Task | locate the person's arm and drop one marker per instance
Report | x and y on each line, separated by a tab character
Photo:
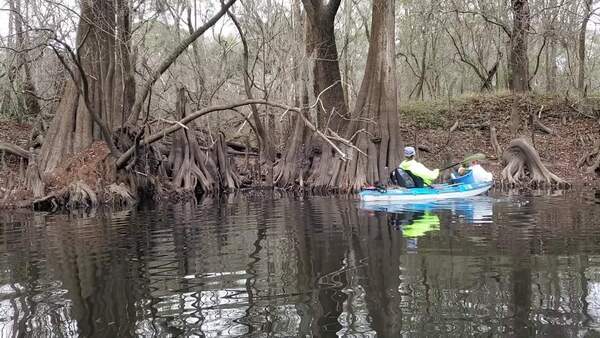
422	171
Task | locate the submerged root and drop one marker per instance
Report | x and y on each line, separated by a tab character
119	195
76	195
33	177
80	195
524	167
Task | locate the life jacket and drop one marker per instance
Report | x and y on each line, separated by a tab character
405	179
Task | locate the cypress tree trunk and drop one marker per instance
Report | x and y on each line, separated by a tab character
321	43
103	37
377	103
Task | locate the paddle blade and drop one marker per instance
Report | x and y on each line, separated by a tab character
474	157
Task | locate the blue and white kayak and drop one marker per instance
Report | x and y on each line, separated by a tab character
433	193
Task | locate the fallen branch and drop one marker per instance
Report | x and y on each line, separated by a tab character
15	150
540	126
189	118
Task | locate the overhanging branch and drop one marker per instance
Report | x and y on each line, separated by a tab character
189	118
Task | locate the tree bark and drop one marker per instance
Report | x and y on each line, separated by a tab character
519	61
73	128
377	103
320	42
105	73
332	113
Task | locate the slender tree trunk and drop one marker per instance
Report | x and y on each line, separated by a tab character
581	47
519	61
25	102
267	147
423	71
551	65
291	167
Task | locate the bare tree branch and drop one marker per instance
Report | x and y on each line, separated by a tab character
165	64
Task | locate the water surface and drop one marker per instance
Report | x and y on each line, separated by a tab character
518	265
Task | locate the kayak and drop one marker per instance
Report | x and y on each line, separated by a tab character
433	193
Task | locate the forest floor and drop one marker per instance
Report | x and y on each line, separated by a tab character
575	126
448	130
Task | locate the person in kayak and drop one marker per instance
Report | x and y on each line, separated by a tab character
420	174
480	175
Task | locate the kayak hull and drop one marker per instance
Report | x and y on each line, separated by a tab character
435	193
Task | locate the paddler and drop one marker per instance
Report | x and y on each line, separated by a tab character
417	169
480	175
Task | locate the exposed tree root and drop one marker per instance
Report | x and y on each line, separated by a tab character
33	177
79	195
228	177
591	159
524	167
119	195
192	168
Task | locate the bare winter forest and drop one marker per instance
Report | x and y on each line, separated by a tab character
115	101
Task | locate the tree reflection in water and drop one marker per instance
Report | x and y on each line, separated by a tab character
518	266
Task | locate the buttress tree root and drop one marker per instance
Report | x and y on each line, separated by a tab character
524	166
193	169
591	160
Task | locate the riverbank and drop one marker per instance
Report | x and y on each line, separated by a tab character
463	127
444	132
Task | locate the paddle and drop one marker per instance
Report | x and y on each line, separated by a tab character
474	157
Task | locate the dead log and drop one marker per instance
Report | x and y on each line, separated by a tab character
129	153
542	127
14	149
524	166
241	147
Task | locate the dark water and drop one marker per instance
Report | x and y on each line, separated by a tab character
320	266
